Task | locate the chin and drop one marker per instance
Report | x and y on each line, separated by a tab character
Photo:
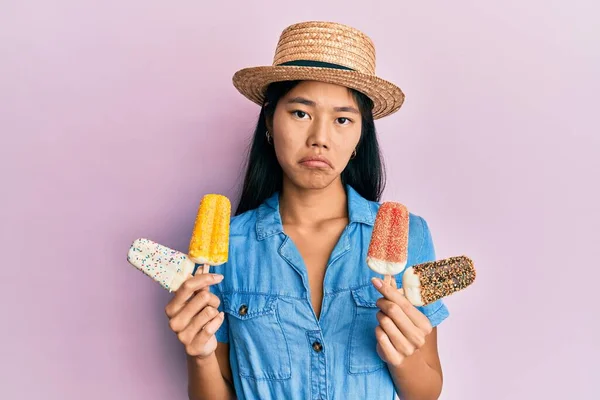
313	182
310	179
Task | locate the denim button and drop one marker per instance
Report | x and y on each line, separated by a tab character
243	309
317	347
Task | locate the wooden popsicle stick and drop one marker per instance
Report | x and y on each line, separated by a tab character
205	268
390	280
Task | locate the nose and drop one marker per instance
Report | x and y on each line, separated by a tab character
319	136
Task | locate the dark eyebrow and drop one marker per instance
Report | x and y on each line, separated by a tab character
302	100
346	109
310	103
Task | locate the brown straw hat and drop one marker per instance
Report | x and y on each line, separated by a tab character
326	52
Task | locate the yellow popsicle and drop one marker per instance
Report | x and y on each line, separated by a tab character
210	238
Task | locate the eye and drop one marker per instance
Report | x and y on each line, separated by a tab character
300	114
344	121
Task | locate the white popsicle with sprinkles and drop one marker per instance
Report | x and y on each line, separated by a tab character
170	268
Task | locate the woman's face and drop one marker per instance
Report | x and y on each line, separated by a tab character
315	129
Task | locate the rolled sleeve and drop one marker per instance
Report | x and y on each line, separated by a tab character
436	312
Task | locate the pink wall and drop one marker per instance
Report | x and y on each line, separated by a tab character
117	116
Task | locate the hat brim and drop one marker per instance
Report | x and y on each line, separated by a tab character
253	82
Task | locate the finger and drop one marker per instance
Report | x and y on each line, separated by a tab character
204	270
396	312
388	291
390	355
415	315
200	300
397	296
413	332
187	290
197	323
400	342
387	279
208	330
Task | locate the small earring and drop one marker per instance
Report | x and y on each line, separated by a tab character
353	154
268	137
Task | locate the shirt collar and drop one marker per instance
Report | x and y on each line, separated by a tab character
268	218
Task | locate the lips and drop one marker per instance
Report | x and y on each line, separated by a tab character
316	162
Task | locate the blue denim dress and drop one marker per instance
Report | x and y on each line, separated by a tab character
278	347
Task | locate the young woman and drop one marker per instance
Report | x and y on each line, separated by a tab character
301	315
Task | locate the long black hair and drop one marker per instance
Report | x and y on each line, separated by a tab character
264	176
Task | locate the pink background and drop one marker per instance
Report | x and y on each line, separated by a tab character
117	116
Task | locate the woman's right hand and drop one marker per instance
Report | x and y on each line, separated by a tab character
193	315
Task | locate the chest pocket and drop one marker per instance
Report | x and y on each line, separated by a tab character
260	344
362	351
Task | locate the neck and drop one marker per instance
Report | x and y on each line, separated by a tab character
299	206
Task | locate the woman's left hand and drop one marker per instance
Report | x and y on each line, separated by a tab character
402	327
